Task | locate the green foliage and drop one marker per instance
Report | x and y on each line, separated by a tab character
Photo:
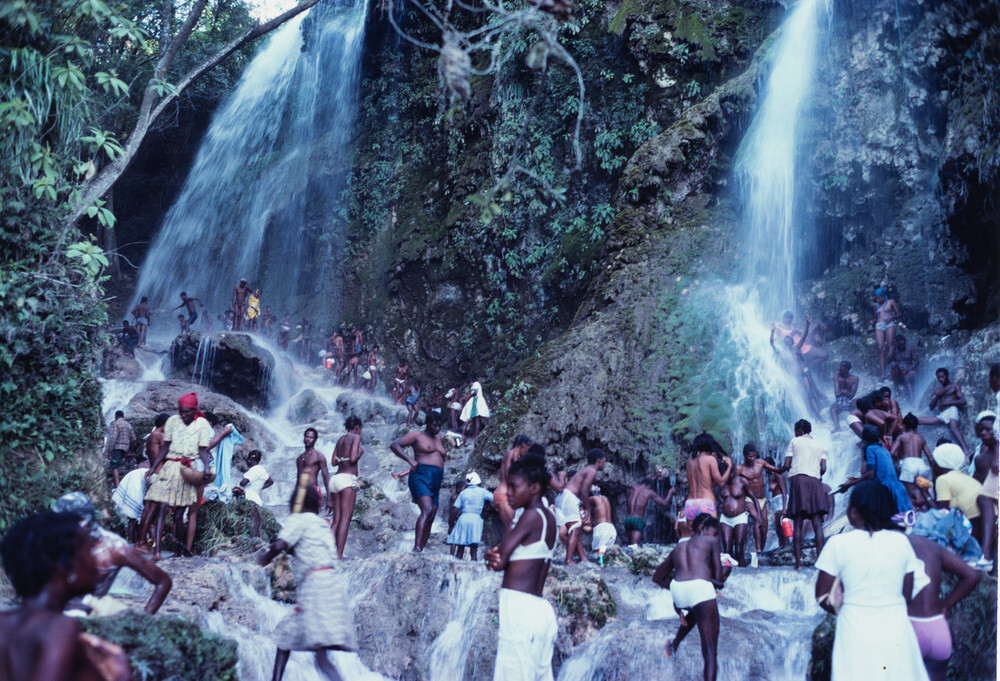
219	522
973	624
168	648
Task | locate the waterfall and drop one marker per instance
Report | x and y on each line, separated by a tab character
260	200
204	362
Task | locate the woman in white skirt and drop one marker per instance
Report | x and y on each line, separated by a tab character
468	530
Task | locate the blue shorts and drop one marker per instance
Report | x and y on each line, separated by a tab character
425	481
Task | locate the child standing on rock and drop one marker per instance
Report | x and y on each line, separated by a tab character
527	622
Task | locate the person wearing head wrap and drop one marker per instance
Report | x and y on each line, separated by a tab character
879	573
986	472
952	487
878	466
468	529
187	436
111	553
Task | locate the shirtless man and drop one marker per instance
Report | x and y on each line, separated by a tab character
522	443
704	471
267	321
240	294
310	464
902	362
736	513
372	363
886	314
638	498
909	450
571	499
779	501
946	399
344	484
795	364
305	349
140	315
399	381
881	415
189	303
845	387
604	531
752	470
927	610
426	472
692	572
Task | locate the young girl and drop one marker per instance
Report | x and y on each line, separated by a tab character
880	574
527	622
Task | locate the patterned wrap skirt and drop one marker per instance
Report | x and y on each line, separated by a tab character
322	617
168	487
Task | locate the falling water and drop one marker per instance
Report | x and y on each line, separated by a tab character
204	362
271	169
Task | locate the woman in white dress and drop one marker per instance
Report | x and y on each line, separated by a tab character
475	410
879	573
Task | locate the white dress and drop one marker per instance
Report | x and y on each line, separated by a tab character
255	476
476	406
874	638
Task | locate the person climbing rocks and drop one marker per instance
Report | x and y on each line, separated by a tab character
886	316
426	472
413	404
692	572
952	487
522	443
118	448
638	499
240	294
190	304
911	451
345	483
574	499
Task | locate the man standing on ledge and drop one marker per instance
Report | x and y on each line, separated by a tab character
806	464
240	294
426	472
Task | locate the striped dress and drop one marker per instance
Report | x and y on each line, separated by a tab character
168	486
322	616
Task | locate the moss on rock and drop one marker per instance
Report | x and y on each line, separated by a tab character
218	523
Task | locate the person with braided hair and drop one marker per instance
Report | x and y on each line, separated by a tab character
48	558
867	577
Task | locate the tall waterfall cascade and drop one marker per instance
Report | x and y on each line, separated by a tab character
260	199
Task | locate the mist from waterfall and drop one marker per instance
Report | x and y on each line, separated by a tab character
260	201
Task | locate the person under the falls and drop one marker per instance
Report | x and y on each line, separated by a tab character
253	310
267	321
692	572
187	436
306	344
887	315
813	354
638	499
398	392
528	628
738	507
310	464
706	469
413	404
572	505
805	462
240	294
605	535
322	620
49	560
752	470
845	387
345	482
879	574
795	365
902	362
425	474
928	610
946	399
192	310
141	315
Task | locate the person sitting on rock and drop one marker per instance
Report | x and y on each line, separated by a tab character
946	398
528	627
845	387
49	560
692	572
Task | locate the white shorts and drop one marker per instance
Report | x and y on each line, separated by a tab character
851	418
912	466
741	519
527	635
605	536
569	506
690	593
948	414
341	481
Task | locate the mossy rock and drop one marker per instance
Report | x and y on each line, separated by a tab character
822	649
582	594
219	523
168	648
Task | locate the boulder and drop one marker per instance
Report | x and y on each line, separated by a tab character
306	407
369	408
226	363
115	363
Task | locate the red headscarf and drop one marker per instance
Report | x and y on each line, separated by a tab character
190	401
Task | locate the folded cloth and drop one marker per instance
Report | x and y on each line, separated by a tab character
689	593
527	635
128	496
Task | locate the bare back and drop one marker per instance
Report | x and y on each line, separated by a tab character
638	499
911	444
703	473
697	558
583	479
347	453
602	509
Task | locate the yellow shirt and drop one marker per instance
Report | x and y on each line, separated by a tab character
186	440
961	490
